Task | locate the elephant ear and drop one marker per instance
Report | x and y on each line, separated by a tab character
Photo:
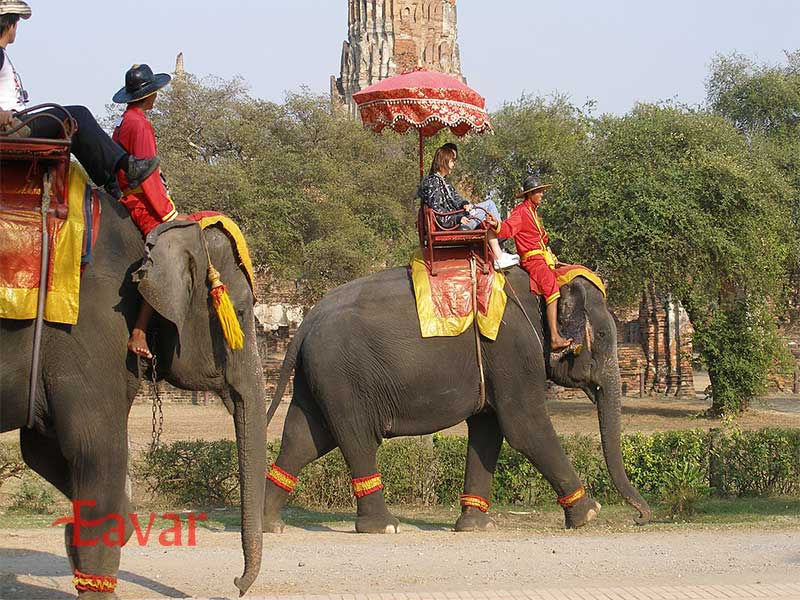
167	276
572	317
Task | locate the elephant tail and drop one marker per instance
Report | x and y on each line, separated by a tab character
289	362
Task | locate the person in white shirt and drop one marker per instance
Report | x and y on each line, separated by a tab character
98	154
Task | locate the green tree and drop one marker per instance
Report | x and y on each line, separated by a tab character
678	198
531	135
664	196
763	101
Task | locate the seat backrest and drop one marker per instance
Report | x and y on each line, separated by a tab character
25	161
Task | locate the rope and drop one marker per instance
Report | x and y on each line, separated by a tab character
474	279
517	300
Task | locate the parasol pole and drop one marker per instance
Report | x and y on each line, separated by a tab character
421	169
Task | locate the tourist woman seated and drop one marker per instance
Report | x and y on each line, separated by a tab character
436	192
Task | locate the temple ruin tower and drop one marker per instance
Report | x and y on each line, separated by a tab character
180	72
387	37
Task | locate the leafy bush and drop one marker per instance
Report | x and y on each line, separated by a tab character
757	463
650	459
677	468
409	469
194	473
11	463
684	486
325	483
452	457
587	457
35	495
516	481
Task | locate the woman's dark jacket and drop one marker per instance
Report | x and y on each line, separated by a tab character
437	193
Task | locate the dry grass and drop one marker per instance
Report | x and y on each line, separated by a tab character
578	415
572	415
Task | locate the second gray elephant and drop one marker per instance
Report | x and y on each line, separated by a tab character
364	373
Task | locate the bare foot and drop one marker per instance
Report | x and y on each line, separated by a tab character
137	343
557	342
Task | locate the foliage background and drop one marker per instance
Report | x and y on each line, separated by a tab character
701	203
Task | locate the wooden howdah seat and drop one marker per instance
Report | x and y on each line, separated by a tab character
27	160
432	235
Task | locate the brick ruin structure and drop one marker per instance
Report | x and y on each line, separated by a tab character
389	37
654	346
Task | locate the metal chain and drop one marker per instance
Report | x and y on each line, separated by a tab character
158	415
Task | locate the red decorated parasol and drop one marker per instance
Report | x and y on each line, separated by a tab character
427	101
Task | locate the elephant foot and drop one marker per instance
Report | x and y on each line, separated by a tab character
585	510
472	519
378	524
274	526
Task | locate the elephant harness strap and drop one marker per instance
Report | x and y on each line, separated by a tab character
478	353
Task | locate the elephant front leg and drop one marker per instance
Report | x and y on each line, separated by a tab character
534	436
100	523
43	455
372	515
485	441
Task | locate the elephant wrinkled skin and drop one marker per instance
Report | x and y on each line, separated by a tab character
363	373
88	379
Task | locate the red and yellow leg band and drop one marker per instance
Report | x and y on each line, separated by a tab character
281	478
364	486
482	504
572	499
84	582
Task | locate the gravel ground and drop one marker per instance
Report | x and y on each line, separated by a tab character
333	560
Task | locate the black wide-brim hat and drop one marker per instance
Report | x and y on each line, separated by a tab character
140	82
532	184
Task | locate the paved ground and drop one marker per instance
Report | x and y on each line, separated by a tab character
689	592
428	561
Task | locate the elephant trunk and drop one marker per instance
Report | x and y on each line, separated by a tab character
609	413
251	440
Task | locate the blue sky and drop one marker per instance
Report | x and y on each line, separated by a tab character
615	52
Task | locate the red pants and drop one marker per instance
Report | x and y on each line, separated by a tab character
543	278
142	214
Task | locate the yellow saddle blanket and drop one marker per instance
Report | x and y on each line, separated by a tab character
444	301
21	253
207	218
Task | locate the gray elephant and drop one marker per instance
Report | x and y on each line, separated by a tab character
88	380
363	373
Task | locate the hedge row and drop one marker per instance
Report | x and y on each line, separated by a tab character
665	466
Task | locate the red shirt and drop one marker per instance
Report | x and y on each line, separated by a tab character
150	205
525	227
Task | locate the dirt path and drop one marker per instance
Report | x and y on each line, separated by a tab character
325	560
